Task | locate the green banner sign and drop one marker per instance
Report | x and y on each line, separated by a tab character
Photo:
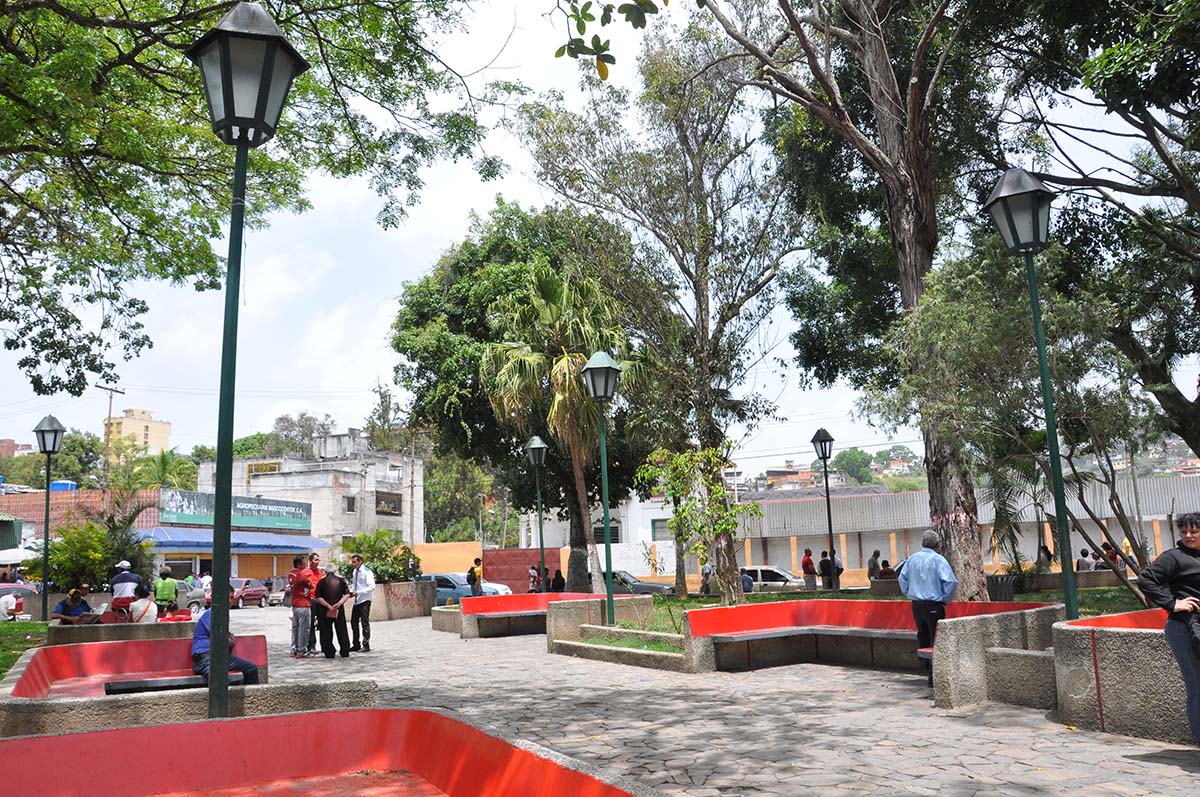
197	509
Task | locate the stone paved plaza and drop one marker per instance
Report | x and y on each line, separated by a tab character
792	730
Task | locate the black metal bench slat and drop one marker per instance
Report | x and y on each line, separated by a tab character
136	686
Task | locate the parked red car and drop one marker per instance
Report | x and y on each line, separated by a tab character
246	592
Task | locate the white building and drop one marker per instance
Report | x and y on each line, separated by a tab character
352	489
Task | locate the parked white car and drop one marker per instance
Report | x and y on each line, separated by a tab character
501	589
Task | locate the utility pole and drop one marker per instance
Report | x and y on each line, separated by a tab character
104	465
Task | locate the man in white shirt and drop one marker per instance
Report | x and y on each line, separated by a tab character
362	587
8	608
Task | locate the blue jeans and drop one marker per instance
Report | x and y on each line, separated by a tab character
248	669
1179	638
301	623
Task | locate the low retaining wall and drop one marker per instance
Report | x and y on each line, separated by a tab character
403	599
1117	674
23	717
447	619
33	603
113	632
960	671
565	619
650	659
482	626
886	587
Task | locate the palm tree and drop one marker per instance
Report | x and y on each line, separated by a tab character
166	469
550	332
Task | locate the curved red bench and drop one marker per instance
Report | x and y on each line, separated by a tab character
390	751
526	602
80	670
873	633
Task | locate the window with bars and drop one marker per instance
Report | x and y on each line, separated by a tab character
659	530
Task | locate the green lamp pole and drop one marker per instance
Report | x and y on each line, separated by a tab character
535	449
1020	207
600	375
823	443
49	434
247	68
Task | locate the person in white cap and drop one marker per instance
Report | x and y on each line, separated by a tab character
124	584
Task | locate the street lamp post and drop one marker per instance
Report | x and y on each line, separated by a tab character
535	449
1020	207
49	436
600	375
823	443
247	68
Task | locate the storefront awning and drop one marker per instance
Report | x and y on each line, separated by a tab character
174	538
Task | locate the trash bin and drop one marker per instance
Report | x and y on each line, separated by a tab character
1002	588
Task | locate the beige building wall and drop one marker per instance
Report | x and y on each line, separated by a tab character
154	436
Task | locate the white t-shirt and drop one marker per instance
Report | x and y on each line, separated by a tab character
143	611
8	607
206	581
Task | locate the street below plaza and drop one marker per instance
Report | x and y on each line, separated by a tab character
793	730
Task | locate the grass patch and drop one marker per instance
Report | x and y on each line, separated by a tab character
1092	602
16	638
635	644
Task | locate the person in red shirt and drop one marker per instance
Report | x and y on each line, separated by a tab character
315	574
809	570
301	586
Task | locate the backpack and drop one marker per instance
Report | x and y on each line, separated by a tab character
471	575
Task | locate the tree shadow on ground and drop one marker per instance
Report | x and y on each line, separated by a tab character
1187	760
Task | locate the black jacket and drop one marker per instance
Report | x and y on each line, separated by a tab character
1174	574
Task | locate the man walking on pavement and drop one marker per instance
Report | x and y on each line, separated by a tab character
363	590
315	574
927	580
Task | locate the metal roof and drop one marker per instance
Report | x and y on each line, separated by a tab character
239	541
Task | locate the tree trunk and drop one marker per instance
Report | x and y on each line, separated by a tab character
729	580
577	565
585	509
954	515
681	589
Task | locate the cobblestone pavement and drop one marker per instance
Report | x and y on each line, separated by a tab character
784	731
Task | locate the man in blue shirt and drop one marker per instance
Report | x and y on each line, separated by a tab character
202	646
74	610
927	580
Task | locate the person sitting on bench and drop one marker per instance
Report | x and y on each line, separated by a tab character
201	648
74	610
143	609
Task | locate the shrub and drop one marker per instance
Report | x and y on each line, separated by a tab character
384	554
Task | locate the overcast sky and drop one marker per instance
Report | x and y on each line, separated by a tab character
319	292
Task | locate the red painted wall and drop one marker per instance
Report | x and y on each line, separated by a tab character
511	567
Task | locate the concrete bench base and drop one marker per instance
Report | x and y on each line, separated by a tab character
480	626
773	647
1021	677
447	619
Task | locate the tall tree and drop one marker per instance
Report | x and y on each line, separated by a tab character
695	185
385	425
296	435
109	173
534	376
166	469
445	324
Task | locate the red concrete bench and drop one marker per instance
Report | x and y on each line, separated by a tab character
513	615
872	633
81	670
376	751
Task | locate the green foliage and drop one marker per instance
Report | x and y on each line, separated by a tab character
296	435
80	555
444	326
904	484
709	212
383	552
79	461
166	469
704	512
111	174
855	463
384	427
